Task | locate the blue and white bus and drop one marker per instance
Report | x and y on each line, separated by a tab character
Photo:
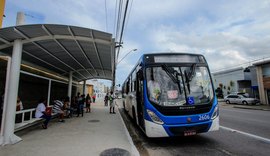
171	94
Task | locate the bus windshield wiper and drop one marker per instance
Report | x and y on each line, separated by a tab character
173	74
187	81
192	71
189	76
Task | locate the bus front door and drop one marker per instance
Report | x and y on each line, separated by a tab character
140	104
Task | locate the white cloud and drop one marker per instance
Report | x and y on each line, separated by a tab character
227	32
224	49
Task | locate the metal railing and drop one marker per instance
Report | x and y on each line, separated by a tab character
23	112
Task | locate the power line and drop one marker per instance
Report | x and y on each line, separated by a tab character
124	20
119	19
123	27
129	13
115	12
241	64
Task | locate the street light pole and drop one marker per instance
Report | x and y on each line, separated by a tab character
126	55
117	62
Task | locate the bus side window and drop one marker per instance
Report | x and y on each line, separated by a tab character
127	88
140	74
134	80
130	85
124	90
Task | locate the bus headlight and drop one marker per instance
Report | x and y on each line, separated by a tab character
154	117
216	113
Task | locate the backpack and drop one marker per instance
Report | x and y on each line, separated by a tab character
110	98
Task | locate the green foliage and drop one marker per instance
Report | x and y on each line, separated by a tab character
231	83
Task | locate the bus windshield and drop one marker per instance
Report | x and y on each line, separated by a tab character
179	86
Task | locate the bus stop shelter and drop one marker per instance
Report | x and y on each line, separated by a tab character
73	52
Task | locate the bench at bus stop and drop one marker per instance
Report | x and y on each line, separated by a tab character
28	120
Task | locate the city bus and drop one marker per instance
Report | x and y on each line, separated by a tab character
171	94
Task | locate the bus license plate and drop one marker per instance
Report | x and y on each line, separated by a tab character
189	133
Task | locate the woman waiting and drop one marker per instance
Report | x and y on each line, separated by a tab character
88	103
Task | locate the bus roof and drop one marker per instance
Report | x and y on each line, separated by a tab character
173	58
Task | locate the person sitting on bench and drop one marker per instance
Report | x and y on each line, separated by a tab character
41	112
58	107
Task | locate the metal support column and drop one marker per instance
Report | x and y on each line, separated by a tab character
5	100
12	93
49	92
84	86
70	85
260	85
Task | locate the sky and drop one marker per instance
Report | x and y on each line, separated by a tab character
226	32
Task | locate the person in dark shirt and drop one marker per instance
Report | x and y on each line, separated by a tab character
81	102
106	98
88	103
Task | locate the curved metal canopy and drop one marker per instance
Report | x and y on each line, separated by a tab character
88	53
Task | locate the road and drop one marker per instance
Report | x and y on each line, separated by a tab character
242	132
251	121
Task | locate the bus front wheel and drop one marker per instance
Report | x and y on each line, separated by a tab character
124	106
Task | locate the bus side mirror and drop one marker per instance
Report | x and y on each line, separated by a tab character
140	74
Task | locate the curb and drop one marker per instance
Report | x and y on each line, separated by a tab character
134	150
263	109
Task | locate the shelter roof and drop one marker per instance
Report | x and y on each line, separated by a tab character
60	49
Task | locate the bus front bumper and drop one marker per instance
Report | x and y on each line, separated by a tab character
156	130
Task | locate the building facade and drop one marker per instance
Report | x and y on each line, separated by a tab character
99	89
263	76
237	80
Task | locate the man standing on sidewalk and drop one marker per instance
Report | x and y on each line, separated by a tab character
81	102
112	104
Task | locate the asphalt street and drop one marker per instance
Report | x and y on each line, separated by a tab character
251	121
246	123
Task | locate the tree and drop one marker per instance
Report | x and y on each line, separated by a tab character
219	92
231	83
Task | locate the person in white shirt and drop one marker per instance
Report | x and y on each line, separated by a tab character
41	113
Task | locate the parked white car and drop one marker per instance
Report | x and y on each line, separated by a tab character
240	99
240	93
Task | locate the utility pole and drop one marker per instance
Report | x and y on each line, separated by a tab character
2	10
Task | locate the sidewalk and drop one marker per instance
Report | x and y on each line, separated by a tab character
254	107
91	135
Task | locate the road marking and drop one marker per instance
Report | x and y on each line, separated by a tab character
247	134
239	111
